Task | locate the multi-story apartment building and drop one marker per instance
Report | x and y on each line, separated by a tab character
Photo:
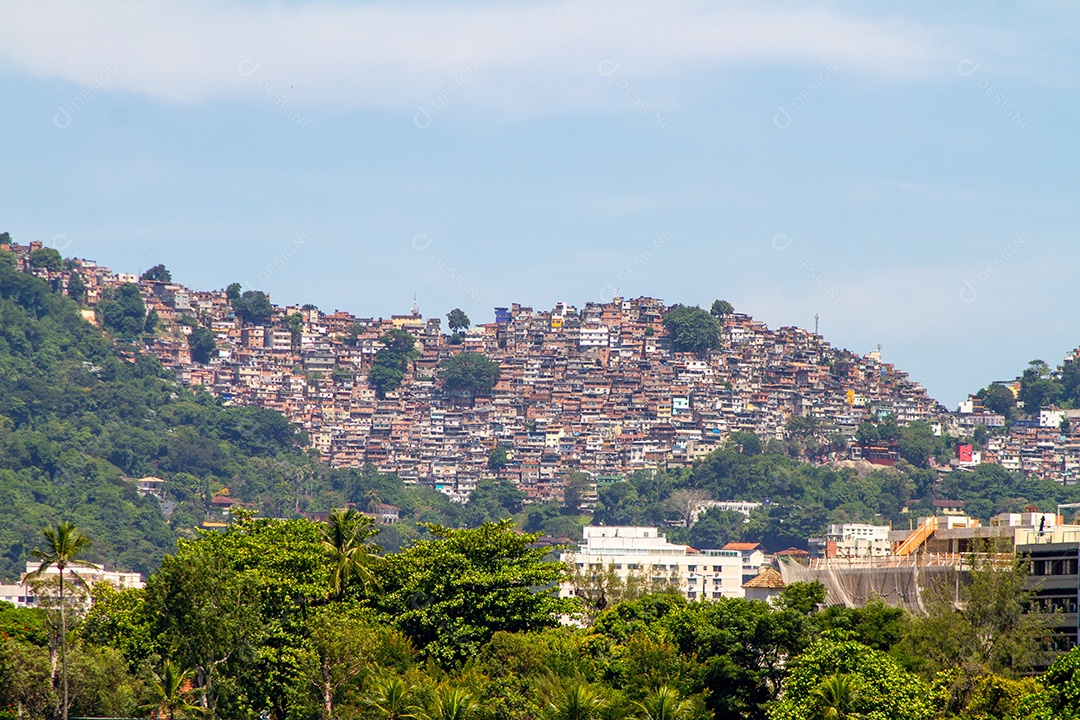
645	553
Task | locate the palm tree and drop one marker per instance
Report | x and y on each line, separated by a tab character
665	704
391	699
577	702
343	536
450	704
168	690
65	544
834	698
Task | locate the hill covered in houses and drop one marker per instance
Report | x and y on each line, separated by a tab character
142	409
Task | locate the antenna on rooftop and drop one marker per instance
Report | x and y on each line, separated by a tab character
816	319
415	307
879	348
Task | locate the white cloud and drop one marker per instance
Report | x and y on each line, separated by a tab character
529	58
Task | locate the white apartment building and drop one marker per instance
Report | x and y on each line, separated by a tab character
736	505
22	594
853	540
645	552
593	336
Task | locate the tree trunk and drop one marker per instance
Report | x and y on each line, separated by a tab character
63	644
328	692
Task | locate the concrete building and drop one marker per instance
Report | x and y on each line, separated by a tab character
753	557
23	593
852	540
644	552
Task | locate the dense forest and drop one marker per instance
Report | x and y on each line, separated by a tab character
83	413
304	620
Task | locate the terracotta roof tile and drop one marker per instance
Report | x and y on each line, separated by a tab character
768	579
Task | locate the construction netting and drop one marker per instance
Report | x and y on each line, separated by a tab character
910	582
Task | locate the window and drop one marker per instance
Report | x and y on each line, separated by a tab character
618	566
691	594
691	568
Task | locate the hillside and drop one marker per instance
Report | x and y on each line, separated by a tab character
84	413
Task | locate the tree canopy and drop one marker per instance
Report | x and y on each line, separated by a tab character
473	373
720	308
158	273
253	307
692	329
457	320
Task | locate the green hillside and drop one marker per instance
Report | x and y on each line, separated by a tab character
76	419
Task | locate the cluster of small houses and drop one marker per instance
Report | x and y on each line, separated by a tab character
596	389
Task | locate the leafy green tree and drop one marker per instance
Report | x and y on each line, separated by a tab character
498	458
803	597
253	308
450	594
981	626
47	259
574	487
841	678
492	501
469	372
745	442
344	536
167	695
918	443
1038	387
1070	382
232	293
618	504
343	647
124	313
994	696
26	679
720	308
743	649
76	288
716	528
692	330
385	378
998	399
203	345
119	619
153	321
1060	698
65	545
294	323
158	273
206	612
875	624
458	320
391	361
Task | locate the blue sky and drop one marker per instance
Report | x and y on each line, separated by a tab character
908	171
